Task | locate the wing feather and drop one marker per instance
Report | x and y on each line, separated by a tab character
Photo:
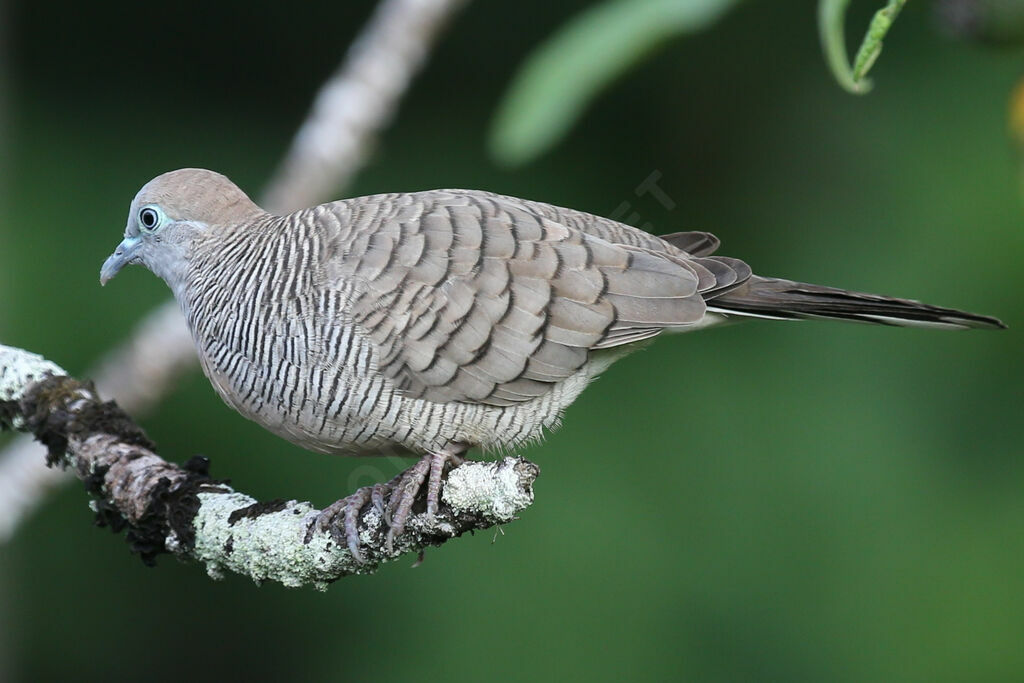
476	297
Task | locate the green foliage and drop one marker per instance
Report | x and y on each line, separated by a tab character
561	77
565	73
831	15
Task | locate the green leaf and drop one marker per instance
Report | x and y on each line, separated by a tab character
831	28
559	79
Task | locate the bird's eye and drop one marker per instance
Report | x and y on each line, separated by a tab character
149	218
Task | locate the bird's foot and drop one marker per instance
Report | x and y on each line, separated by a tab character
393	501
341	520
430	470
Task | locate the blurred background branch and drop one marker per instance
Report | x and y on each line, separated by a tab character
356	103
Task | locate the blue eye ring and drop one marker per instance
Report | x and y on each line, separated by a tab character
149	218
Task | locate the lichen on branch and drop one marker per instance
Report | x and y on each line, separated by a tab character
167	508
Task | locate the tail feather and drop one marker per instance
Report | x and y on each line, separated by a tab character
762	297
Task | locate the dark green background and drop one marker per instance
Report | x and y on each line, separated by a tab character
768	501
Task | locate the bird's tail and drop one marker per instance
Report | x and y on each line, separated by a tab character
764	297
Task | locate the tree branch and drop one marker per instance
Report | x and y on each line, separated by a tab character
181	510
351	108
356	102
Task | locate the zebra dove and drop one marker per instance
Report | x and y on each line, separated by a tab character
438	321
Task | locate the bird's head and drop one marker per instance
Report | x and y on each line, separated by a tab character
169	213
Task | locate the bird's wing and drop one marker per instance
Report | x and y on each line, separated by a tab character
477	297
694	243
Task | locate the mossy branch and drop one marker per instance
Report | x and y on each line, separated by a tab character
166	508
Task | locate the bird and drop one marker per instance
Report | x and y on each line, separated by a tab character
438	321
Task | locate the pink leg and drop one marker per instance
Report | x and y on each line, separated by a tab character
429	469
404	495
393	500
341	520
437	464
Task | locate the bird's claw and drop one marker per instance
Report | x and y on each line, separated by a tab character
429	469
392	500
341	520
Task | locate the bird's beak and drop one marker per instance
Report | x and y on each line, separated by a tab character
125	253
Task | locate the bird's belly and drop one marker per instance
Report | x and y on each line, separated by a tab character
341	403
324	410
347	413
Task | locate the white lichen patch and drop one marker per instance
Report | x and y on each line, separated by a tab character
489	489
19	369
372	523
268	546
269	541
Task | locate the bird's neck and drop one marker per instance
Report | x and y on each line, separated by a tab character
220	267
